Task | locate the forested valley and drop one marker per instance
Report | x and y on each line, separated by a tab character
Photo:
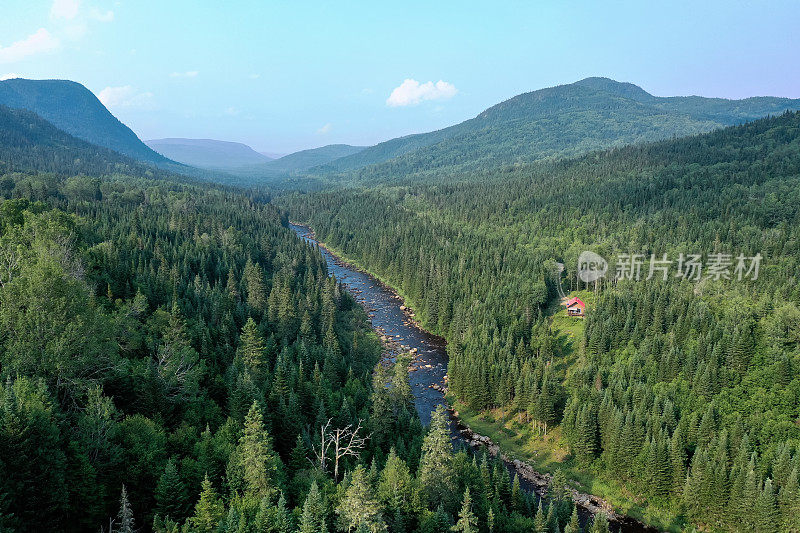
173	358
683	393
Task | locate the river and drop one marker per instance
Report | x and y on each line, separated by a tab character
395	323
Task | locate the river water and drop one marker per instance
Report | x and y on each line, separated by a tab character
383	306
429	367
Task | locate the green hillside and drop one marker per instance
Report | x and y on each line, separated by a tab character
73	108
30	143
561	121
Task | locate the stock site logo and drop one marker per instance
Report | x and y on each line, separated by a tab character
591	267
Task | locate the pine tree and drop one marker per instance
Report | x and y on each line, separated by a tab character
599	524
359	509
789	500
254	461
436	476
208	511
171	493
540	520
312	519
395	485
125	516
252	348
766	512
574	522
467	522
254	285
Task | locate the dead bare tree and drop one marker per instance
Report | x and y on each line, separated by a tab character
321	453
340	442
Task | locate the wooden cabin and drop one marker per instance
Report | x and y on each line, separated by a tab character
576	307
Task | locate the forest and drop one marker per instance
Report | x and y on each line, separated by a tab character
173	358
683	392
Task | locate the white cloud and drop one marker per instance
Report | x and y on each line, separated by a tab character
101	16
65	9
9	76
254	76
40	41
76	31
412	92
325	129
232	111
125	96
187	74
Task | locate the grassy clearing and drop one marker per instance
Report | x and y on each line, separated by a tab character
517	439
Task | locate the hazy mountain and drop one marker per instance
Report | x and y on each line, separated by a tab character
208	153
560	121
301	161
75	109
273	155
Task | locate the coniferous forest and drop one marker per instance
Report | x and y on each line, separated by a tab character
685	392
175	358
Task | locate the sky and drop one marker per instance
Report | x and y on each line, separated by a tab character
282	76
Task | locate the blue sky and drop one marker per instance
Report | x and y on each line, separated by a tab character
282	76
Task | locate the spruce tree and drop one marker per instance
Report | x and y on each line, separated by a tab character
208	511
252	348
359	509
574	522
395	484
125	516
789	501
517	500
599	524
467	521
171	493
254	285
540	520
436	476
255	462
766	511
312	519
552	518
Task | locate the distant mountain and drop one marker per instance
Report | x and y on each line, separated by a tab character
73	108
30	143
273	155
208	153
561	121
300	161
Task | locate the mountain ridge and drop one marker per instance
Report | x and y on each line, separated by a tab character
210	154
561	121
73	108
300	161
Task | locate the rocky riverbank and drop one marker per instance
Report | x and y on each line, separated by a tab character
540	481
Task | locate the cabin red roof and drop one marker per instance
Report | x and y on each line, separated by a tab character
576	301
